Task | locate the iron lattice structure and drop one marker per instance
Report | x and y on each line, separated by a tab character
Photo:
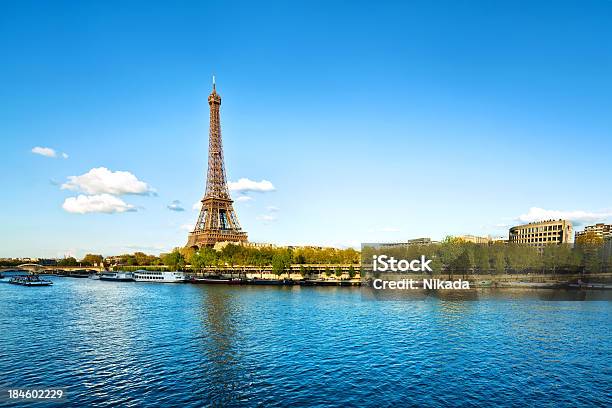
217	221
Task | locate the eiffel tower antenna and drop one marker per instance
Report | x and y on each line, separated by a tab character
217	221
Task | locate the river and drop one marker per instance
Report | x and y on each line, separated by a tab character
148	344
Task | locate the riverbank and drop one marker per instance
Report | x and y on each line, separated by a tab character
239	277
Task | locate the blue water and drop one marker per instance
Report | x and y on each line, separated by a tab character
138	344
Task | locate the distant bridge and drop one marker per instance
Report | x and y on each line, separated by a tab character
45	269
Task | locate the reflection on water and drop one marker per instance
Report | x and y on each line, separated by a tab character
140	344
218	313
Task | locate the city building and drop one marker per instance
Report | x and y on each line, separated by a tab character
258	245
542	233
604	231
475	239
499	240
415	241
115	260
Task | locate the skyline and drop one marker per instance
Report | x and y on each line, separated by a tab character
489	128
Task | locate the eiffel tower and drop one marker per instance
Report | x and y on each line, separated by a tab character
217	221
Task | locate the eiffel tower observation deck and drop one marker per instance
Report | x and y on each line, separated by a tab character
217	221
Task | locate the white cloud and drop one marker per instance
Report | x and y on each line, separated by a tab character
266	218
101	180
272	208
100	203
47	152
244	184
175	206
578	217
187	227
243	199
197	205
44	151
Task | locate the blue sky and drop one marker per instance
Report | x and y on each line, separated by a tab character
373	121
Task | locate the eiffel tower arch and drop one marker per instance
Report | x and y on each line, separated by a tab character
217	221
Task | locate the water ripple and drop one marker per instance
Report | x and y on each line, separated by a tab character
154	345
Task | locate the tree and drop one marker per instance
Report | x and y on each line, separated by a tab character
280	262
481	259
350	255
555	257
141	258
327	273
590	246
174	260
498	257
351	272
202	258
299	258
593	260
70	261
449	250
196	260
522	257
607	255
462	263
91	259
338	272
232	254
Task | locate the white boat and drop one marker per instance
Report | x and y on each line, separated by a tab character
30	280
117	276
159	276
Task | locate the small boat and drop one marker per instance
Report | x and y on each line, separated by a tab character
30	280
94	276
118	276
217	279
272	282
210	280
80	273
159	276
